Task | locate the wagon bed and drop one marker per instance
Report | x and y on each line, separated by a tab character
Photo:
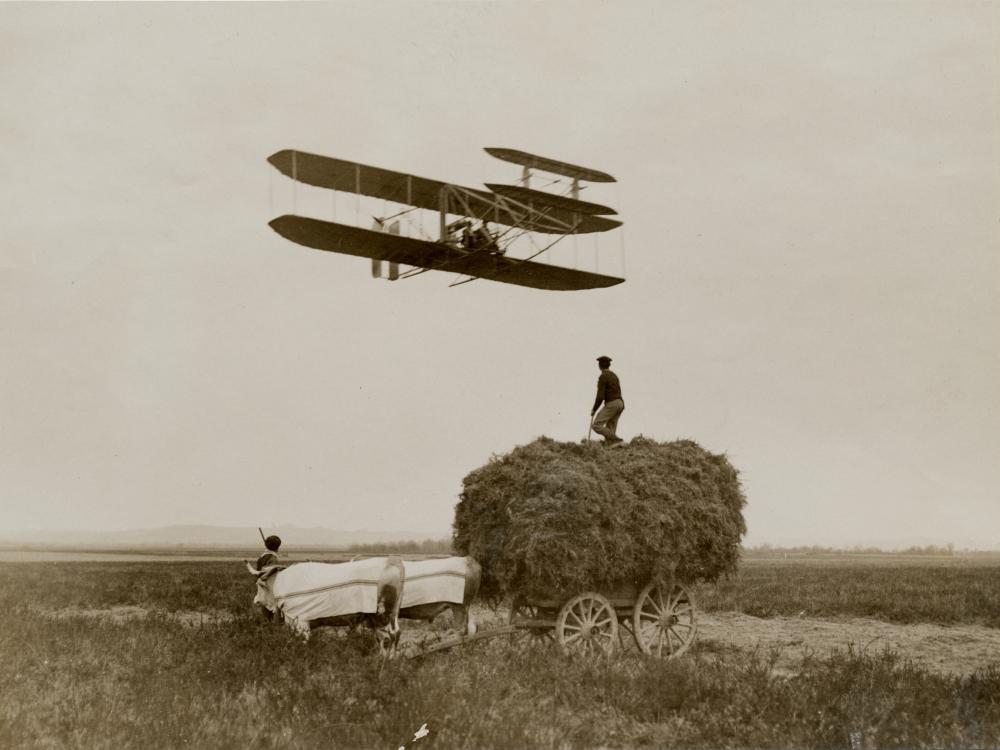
662	620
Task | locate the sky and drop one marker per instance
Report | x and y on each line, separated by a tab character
811	202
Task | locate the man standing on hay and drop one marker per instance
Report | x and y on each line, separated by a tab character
609	392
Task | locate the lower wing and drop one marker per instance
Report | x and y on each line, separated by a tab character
434	256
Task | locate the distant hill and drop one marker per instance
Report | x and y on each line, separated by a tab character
215	536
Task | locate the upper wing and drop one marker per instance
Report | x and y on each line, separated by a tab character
398	187
545	164
549	200
340	238
351	177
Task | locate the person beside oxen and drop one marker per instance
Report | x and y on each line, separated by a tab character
271	557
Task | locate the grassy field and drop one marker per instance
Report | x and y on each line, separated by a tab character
946	590
72	678
904	590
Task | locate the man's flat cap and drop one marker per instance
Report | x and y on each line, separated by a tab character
604	359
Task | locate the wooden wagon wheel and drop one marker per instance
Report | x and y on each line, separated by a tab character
519	610
664	621
587	624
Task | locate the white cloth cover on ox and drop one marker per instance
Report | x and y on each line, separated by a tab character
310	590
435	580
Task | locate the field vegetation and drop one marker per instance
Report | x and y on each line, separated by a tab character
898	589
74	677
931	550
890	588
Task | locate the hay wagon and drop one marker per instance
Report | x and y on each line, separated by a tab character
661	620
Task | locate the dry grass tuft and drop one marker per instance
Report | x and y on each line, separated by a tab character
553	518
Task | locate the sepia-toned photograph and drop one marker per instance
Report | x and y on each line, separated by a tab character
500	374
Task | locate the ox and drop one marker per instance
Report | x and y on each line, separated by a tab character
438	584
309	595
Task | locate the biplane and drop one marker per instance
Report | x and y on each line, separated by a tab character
475	227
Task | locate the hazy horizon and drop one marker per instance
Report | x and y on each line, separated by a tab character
313	536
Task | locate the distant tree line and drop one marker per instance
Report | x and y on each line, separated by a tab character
425	547
929	549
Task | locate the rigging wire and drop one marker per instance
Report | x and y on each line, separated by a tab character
621	228
398	213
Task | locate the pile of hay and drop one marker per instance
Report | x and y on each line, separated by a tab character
554	518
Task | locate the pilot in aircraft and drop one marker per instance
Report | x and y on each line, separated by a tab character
460	233
483	238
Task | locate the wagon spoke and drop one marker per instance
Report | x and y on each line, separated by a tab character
649	637
649	629
660	635
521	611
649	624
658	604
683	606
678	636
